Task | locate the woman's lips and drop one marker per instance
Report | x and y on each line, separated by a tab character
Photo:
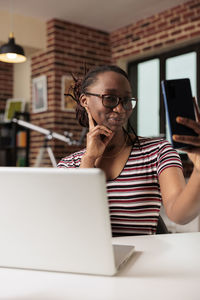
115	120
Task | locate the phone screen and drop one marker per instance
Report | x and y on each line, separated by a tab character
178	101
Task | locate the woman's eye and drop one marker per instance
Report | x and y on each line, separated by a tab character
110	97
126	100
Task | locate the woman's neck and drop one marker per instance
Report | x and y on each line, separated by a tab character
117	141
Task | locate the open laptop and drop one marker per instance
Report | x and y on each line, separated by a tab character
57	220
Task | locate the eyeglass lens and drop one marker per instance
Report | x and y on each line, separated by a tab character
111	101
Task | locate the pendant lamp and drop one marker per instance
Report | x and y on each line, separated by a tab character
11	52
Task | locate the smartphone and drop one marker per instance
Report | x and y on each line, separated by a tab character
178	101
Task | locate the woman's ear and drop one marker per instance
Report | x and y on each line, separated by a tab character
83	100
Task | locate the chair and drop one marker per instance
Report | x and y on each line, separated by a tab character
161	227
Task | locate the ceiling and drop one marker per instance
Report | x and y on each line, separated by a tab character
106	15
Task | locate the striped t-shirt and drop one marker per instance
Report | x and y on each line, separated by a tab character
134	196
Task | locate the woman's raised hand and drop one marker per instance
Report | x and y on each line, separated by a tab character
193	152
98	138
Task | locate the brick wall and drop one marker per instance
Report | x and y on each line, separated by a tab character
69	48
6	83
169	29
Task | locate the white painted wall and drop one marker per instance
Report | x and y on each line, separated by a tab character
22	80
28	32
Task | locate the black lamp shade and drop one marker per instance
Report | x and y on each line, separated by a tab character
11	52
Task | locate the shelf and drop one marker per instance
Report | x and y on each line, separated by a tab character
6	142
14	143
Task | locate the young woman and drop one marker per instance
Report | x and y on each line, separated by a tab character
141	172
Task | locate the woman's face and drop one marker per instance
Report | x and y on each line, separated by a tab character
111	83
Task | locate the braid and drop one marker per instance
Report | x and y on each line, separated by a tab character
75	91
76	88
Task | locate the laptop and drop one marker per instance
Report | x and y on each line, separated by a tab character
57	220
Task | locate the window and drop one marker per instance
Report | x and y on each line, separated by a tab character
149	118
148	89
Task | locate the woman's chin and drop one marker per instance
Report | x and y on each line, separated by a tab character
115	128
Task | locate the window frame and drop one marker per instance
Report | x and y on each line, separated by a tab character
133	76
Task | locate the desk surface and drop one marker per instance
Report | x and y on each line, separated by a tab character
163	267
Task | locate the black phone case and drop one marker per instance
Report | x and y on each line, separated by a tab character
178	101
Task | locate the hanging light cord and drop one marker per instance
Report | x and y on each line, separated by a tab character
11	19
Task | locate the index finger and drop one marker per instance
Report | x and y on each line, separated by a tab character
90	119
196	107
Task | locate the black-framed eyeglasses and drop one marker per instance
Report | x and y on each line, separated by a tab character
111	101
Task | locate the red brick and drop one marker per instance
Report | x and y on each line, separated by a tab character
188	15
189	28
176	32
195	33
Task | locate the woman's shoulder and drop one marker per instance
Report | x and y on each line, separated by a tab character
72	160
152	142
152	146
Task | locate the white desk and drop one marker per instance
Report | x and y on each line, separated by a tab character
163	267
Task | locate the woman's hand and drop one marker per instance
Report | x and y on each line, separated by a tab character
98	138
193	152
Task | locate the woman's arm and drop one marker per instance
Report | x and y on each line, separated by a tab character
181	201
95	146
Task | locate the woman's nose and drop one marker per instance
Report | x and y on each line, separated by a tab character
119	108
